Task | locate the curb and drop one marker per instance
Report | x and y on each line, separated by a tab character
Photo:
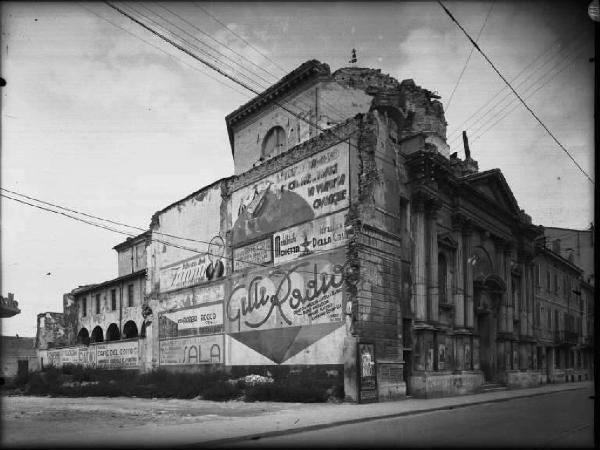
321	426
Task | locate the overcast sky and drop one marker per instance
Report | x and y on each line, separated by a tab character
98	120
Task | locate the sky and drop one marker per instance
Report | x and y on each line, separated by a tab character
101	116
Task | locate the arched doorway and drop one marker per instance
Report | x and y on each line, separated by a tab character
113	333
83	337
97	334
130	330
488	297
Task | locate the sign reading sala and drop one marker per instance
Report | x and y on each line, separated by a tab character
305	292
191	350
321	234
311	188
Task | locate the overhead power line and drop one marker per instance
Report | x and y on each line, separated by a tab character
516	93
468	59
219	70
240	37
507	94
163	51
458	128
515	104
129	234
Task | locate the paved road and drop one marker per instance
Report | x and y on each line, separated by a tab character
560	419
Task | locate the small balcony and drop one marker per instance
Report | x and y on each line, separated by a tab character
564	337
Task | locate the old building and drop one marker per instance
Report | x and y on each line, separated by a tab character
562	316
18	355
348	239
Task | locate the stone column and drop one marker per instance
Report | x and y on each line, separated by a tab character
432	256
502	314
419	247
508	281
530	322
459	279
468	274
523	301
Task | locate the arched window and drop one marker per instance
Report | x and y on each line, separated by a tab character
130	330
274	142
143	330
113	333
97	335
83	337
442	277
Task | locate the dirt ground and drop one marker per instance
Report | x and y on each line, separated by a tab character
37	420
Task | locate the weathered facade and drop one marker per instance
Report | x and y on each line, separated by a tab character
349	239
562	317
19	356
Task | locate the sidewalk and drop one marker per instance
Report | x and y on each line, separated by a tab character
315	416
213	430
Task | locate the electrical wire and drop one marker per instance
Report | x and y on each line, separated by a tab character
202	51
324	103
507	93
240	37
517	94
468	59
160	241
515	104
217	41
218	80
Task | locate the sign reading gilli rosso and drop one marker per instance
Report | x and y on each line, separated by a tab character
295	294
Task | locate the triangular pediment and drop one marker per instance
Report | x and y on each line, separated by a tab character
493	186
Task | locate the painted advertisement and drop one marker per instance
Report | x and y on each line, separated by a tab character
311	188
117	355
206	319
279	312
318	235
192	350
253	255
367	373
197	269
86	356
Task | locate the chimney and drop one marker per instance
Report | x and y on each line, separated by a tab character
11	296
556	246
466	145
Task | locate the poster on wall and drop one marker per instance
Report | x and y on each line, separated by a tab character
197	269
367	370
295	294
311	188
86	356
256	254
54	358
192	350
317	235
117	355
206	319
279	312
69	356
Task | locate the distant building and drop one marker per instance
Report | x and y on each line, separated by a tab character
561	318
18	355
348	240
576	246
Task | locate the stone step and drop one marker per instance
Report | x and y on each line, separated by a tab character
489	387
